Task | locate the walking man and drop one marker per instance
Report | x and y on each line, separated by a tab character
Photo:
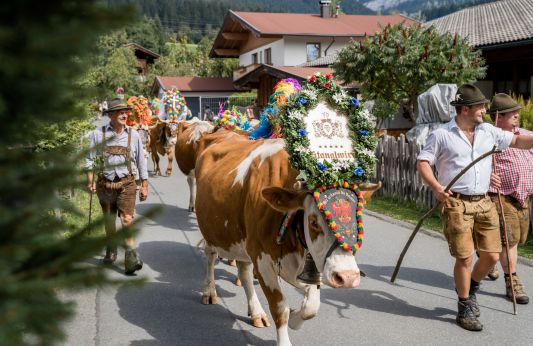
514	170
121	155
470	219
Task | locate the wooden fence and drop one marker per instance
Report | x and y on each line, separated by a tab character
396	169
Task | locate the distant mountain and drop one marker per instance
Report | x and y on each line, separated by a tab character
422	9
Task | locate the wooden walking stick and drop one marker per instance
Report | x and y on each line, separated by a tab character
90	210
503	229
426	215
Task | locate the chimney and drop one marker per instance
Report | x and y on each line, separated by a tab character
325	9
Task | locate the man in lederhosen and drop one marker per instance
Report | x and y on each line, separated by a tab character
119	150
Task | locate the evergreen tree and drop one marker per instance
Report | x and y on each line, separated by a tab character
42	50
399	63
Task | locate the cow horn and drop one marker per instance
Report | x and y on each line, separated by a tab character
299	185
369	186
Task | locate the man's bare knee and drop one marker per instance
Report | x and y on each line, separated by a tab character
126	219
464	262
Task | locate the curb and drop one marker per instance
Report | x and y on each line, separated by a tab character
522	260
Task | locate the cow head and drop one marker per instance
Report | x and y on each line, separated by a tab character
171	133
338	266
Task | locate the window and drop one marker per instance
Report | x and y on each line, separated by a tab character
313	51
268	56
254	58
260	57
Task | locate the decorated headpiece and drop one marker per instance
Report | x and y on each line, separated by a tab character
231	119
140	113
330	140
174	103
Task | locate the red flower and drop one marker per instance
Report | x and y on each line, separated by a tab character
327	85
312	79
329	76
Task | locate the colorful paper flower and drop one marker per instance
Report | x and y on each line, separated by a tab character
354	102
302	101
359	171
322	166
364	132
302	132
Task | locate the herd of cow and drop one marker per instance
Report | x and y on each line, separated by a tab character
241	189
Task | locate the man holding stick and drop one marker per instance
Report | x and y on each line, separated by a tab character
514	169
470	219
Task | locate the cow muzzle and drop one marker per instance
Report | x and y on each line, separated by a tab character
345	279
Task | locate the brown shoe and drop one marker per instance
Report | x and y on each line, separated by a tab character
519	292
110	255
493	274
466	317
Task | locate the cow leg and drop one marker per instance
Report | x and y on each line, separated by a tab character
309	308
279	308
191	180
209	295
255	310
155	160
170	160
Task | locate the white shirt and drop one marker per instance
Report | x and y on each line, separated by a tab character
450	151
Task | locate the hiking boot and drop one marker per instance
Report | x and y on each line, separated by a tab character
310	274
110	255
473	299
466	317
493	274
519	292
132	263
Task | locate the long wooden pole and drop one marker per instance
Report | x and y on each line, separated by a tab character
504	230
426	215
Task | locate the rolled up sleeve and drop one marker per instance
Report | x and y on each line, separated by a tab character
429	152
91	153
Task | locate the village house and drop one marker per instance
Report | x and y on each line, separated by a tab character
503	31
271	46
144	57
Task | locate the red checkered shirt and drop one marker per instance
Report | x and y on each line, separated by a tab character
515	168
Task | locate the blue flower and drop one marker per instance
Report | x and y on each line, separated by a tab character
364	132
322	166
302	132
302	100
359	172
354	102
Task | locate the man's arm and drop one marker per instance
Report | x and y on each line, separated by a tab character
522	142
425	171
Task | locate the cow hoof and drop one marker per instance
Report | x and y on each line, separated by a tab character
157	173
238	282
191	209
169	173
232	262
209	299
260	321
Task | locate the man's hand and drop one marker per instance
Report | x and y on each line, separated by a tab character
495	180
91	187
143	192
440	194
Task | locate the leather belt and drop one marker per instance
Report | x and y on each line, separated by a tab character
471	198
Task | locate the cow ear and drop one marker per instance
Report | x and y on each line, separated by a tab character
283	200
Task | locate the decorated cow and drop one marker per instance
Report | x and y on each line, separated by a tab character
312	182
140	118
163	136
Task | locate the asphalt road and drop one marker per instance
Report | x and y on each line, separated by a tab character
419	309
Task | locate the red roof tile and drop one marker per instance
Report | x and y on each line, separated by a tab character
313	24
197	83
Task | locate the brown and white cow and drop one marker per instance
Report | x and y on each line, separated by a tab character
244	190
163	146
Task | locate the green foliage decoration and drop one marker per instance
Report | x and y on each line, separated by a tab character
322	88
397	64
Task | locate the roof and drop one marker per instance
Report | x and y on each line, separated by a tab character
490	24
237	25
195	84
323	61
308	24
142	49
298	72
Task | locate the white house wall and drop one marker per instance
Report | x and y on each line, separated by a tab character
200	93
277	47
296	47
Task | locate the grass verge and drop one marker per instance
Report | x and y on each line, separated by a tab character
80	199
412	213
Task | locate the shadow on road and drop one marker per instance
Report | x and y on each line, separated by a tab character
170	309
426	277
170	216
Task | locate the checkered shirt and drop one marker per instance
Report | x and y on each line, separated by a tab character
515	168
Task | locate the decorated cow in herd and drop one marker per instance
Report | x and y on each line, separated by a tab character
172	109
141	119
312	181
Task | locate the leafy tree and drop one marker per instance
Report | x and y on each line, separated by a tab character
42	46
399	63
